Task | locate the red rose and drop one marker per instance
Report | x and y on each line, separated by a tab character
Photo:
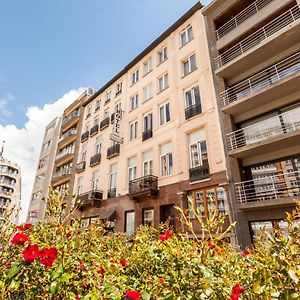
7	265
237	290
134	295
123	262
165	236
23	227
101	271
47	257
19	239
77	297
31	253
27	226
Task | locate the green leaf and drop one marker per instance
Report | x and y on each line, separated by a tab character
65	277
257	289
54	287
145	296
13	271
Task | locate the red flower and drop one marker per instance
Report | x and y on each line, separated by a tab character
68	233
19	239
27	226
165	236
101	271
134	295
211	245
31	253
123	262
7	265
81	267
23	227
47	257
77	297
237	290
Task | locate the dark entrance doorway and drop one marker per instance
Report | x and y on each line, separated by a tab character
167	214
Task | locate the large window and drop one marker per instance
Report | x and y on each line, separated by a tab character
189	65
198	149
166	159
148	163
134	102
79	185
163	82
162	55
113	176
192	97
147	66
129	223
133	130
164	114
134	77
83	152
148	217
147	91
132	162
119	88
94	181
98	145
148	122
186	35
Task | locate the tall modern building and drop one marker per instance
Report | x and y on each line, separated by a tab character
151	136
254	47
10	190
37	206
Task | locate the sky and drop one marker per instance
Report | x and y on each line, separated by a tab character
51	50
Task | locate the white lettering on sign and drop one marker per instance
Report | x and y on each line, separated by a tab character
115	136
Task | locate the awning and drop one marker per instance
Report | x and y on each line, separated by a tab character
109	214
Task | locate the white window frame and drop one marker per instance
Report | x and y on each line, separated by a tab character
135	77
108	96
106	113
133	130
98	145
129	227
98	104
147	66
132	172
193	97
163	82
169	167
188	61
146	118
134	102
88	111
163	117
162	55
149	164
147	92
186	35
94	181
119	88
149	221
113	177
199	153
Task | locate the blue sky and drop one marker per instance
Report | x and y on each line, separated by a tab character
49	47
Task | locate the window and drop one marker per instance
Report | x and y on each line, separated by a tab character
132	168
113	176
83	152
98	145
164	114
129	223
148	163
106	114
186	35
98	102
162	55
88	113
95	179
192	97
147	91
166	159
134	102
147	66
79	186
119	88
189	65
87	126
133	130
108	96
134	77
96	121
148	217
163	82
198	149
148	122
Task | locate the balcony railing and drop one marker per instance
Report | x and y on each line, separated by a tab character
143	183
85	136
261	80
80	167
193	111
5	194
284	185
94	130
71	132
199	173
64	153
280	124
104	123
91	196
245	14
147	134
113	151
95	159
61	173
71	116
112	193
257	37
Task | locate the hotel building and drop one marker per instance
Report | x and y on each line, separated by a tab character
255	58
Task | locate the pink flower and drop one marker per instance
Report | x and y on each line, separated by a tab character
134	295
165	236
19	239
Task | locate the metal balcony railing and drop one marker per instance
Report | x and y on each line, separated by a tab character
113	151
94	130
65	153
85	136
143	183
280	124
61	173
104	123
242	16
71	132
95	159
147	134
261	80
199	173
71	116
193	111
284	185
290	16
91	195
80	167
112	193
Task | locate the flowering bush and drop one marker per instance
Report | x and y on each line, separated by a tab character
58	260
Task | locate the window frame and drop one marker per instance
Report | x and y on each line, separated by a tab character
185	33
163	82
189	62
163	108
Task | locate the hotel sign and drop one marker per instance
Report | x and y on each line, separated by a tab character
115	136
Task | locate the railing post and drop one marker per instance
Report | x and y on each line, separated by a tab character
274	187
277	74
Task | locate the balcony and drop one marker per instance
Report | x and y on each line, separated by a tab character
193	111
5	194
147	134
199	173
85	136
280	79
64	156
94	130
92	198
80	167
275	190
67	138
61	173
275	37
95	159
104	123
146	186
271	130
113	151
70	120
112	193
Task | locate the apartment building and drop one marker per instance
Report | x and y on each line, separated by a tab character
10	190
255	56
37	206
151	136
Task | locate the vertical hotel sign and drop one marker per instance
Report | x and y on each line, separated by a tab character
115	135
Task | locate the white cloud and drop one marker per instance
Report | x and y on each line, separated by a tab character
4	112
23	144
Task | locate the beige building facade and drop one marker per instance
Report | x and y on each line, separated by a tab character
169	141
254	48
